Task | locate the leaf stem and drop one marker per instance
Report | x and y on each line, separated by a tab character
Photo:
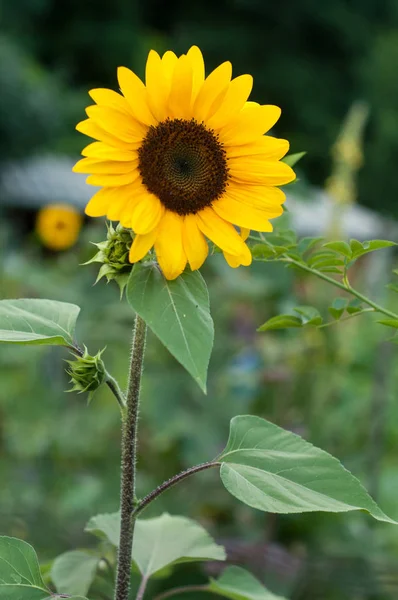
115	389
184	589
169	483
142	588
128	467
347	318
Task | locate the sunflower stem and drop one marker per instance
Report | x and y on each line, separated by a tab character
128	499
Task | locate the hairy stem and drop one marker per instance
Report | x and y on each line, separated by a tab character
129	444
169	483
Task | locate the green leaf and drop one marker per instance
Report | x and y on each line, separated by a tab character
73	572
238	584
337	307
178	313
340	247
20	577
309	315
292	159
389	322
281	322
354	306
33	321
277	471
267	251
162	541
105	526
307	243
358	248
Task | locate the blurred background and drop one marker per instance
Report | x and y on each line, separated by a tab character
332	68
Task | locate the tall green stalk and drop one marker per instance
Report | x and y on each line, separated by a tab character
128	466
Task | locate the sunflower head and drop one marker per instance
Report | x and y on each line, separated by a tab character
58	226
184	159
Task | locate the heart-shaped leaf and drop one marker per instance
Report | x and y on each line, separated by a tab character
34	321
238	584
20	577
277	471
74	572
162	541
178	313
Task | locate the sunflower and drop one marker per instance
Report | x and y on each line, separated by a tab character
58	226
184	158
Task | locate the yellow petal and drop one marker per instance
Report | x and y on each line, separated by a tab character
244	259
169	247
220	232
108	167
268	147
181	89
146	213
135	93
120	208
105	152
254	170
238	92
141	245
88	127
117	123
244	233
198	69
100	202
214	87
251	123
195	245
111	99
169	61
259	196
245	215
157	85
113	180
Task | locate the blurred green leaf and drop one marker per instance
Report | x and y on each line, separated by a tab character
281	322
359	249
337	307
309	315
389	322
277	471
340	247
307	243
161	541
178	312
74	572
354	306
238	584
293	159
33	321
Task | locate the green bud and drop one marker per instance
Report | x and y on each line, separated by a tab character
86	373
113	253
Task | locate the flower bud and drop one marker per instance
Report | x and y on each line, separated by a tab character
113	253
87	372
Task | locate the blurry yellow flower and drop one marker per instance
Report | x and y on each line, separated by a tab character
58	226
184	158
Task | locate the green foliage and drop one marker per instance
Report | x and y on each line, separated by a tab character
178	313
32	321
73	572
20	577
293	159
237	584
277	471
160	542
